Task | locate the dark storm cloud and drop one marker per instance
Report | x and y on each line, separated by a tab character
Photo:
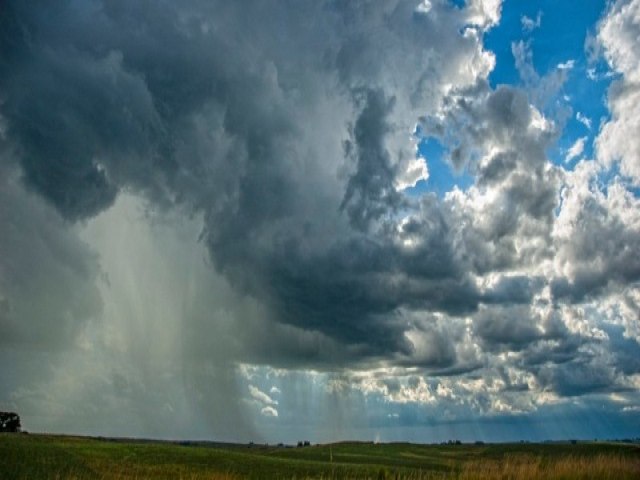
578	377
69	110
439	356
512	327
284	131
202	106
351	292
47	275
553	352
514	289
370	190
570	364
625	350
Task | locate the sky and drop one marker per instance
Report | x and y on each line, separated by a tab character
321	220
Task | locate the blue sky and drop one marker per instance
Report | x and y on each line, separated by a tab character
218	221
558	33
561	36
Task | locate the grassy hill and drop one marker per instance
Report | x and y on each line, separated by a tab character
67	457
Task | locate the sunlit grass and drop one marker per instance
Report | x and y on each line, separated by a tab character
569	468
56	457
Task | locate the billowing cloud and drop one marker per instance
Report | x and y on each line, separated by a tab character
260	396
594	235
47	273
292	160
617	142
206	201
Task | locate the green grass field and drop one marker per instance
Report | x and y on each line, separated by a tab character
65	457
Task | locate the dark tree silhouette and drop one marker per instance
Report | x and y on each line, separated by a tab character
9	422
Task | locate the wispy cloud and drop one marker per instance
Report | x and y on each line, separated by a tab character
529	24
583	119
576	149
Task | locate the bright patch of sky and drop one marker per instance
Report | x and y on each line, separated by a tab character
558	36
423	409
442	176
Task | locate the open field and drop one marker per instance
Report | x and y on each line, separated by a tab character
66	457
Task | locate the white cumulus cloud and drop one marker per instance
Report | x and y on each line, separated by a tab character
269	412
260	396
